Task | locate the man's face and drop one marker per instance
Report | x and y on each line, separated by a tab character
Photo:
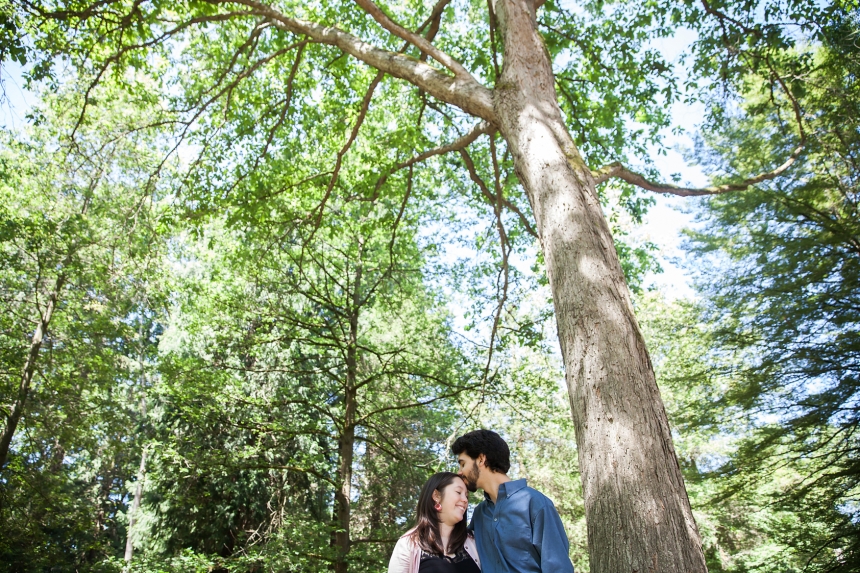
469	471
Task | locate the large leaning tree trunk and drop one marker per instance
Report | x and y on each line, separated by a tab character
636	505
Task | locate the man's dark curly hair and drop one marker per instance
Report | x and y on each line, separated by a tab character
488	443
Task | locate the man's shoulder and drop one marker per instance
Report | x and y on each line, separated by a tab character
536	499
530	492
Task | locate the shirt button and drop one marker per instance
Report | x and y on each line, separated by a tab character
495	519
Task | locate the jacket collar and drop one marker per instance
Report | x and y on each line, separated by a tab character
507	489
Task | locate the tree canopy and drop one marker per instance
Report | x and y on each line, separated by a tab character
231	245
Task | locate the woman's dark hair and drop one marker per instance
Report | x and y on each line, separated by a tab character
488	443
426	533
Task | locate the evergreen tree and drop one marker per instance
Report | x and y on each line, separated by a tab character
304	384
78	258
779	269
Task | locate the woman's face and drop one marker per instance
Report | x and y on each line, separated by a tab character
454	501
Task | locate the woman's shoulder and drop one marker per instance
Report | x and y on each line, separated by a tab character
403	555
406	540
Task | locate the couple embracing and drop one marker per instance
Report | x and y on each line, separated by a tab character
516	529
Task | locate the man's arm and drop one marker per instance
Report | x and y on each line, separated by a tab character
550	540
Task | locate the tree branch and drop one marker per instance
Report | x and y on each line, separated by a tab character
416	40
461	143
435	22
288	100
462	91
117	56
361	421
362	114
491	198
723	16
618	170
504	271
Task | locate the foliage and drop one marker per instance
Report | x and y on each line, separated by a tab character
761	376
281	349
76	220
741	532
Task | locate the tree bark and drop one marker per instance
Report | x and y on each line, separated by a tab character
28	371
462	90
637	510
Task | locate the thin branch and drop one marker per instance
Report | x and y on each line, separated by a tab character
493	23
482	128
491	198
246	72
286	106
621	172
117	56
286	188
417	404
798	114
400	215
618	170
505	269
362	114
435	22
723	16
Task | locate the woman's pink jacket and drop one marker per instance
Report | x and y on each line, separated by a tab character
406	557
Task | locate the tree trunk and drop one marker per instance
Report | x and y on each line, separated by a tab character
346	443
28	371
135	505
344	492
141	472
637	509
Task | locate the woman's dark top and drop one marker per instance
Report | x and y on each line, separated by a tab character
462	562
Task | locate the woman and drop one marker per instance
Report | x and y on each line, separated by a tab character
440	542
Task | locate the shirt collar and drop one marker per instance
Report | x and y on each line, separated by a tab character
507	489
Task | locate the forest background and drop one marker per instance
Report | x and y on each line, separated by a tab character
244	316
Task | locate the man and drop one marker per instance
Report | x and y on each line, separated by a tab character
517	528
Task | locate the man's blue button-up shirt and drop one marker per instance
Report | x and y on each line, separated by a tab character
520	533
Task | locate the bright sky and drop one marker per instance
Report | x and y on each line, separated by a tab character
665	220
15	97
663	227
671	214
